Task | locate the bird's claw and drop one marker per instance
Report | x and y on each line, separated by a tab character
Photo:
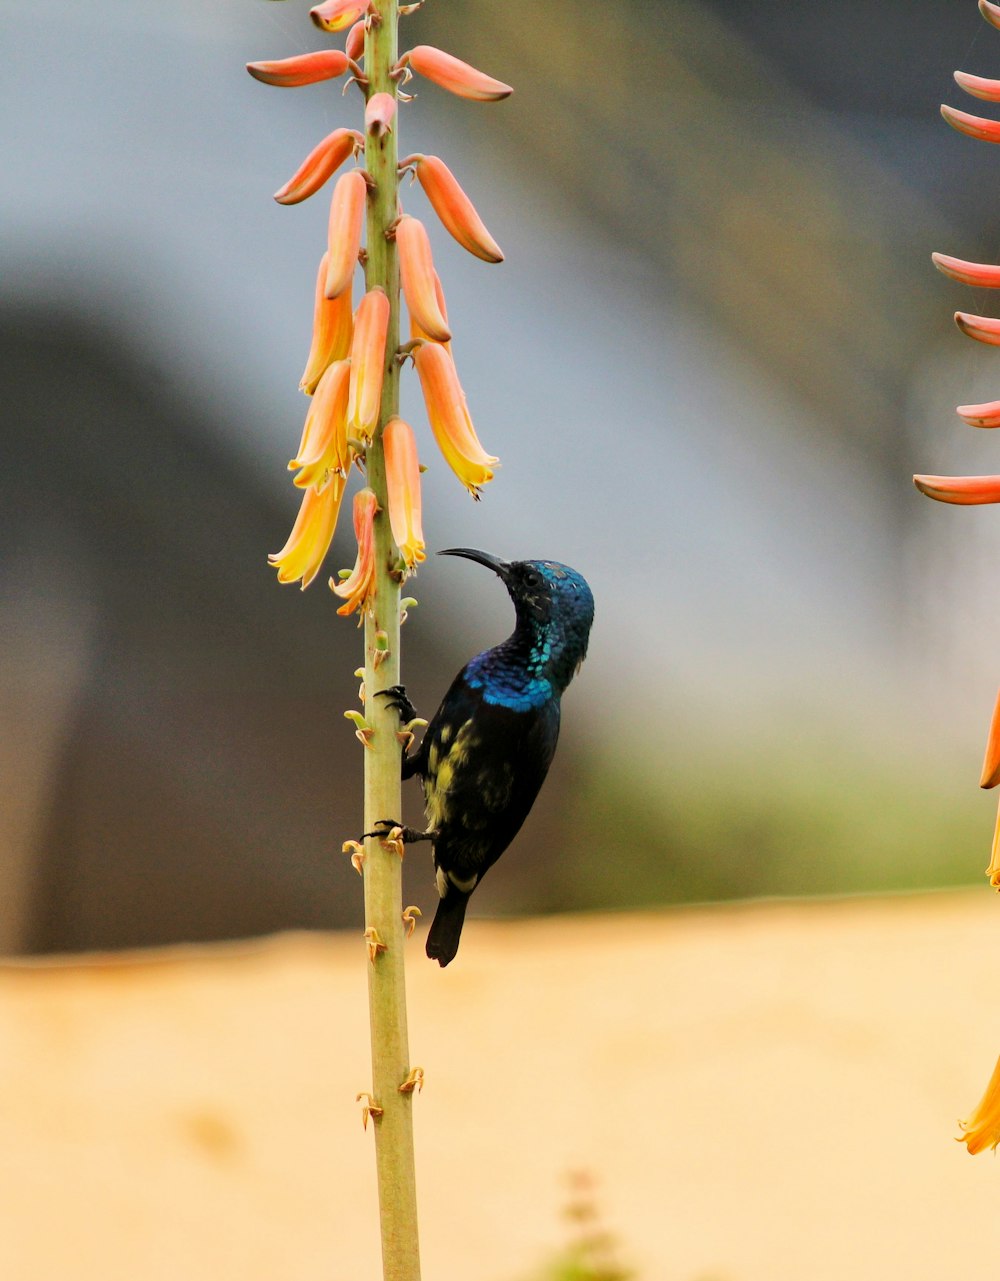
370	1109
396	694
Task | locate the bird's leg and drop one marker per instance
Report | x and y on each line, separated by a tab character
408	721
388	829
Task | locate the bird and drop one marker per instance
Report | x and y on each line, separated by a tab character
486	752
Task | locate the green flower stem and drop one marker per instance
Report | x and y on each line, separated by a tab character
383	872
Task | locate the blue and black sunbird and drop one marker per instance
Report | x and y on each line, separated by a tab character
485	754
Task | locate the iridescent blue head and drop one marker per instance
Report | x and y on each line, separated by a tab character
555	610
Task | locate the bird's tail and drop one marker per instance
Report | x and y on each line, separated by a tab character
446	928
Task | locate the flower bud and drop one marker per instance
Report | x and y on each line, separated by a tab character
454	75
333	328
368	363
347	218
359	588
973	126
991	760
417	332
985	415
416	275
983	328
964	491
988	90
982	275
402	478
449	418
454	208
324	451
991	12
303	69
355	45
379	114
334	15
323	161
312	533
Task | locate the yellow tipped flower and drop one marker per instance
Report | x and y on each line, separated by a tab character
334	15
402	475
454	208
993	870
991	761
367	363
449	418
323	161
347	219
303	69
379	114
359	589
453	74
333	329
323	450
312	533
982	1130
416	275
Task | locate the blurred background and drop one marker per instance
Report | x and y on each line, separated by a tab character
713	357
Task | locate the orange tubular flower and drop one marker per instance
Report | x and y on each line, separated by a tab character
985	415
367	363
983	328
991	761
454	75
347	218
973	126
304	69
334	15
449	418
982	1130
416	331
359	589
323	161
988	90
968	273
323	450
354	46
965	491
402	475
312	533
416	275
454	208
379	114
333	328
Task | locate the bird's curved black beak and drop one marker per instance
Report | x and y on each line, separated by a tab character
499	567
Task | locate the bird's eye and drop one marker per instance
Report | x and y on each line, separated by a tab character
532	579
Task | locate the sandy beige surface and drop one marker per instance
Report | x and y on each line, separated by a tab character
766	1093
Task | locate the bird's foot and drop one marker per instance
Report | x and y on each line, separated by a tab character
387	829
396	694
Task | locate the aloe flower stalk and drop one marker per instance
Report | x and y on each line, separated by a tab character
982	1129
352	376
